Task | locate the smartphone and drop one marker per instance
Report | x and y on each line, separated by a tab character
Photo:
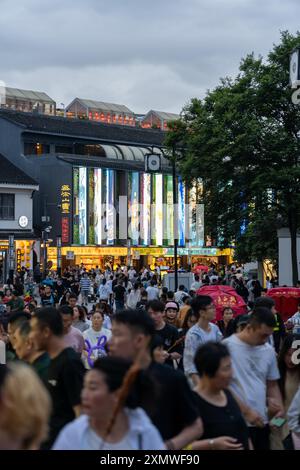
278	422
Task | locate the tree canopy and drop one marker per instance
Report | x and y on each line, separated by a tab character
242	139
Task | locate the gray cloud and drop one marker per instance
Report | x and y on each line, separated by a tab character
143	54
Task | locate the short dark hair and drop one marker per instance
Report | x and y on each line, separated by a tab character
51	318
170	294
24	328
181	287
18	317
208	358
155	305
72	296
66	310
266	302
138	320
262	316
200	302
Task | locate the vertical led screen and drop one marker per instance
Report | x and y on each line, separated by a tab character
168	219
133	207
181	213
98	205
159	209
110	212
82	206
146	207
76	206
192	215
91	213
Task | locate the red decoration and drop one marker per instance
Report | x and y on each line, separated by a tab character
200	267
65	232
224	296
286	299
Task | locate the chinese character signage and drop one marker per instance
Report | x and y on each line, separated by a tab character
19	260
65	199
65	231
65	193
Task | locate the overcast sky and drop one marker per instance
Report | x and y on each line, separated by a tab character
146	54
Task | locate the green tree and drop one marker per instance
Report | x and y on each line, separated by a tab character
242	140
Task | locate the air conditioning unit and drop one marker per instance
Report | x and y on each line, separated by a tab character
153	163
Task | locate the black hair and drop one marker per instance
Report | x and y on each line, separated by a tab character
155	305
18	317
190	313
181	287
81	313
170	294
262	316
100	311
72	296
65	310
138	320
49	317
200	302
143	392
164	290
266	302
226	308
156	342
208	358
286	345
24	329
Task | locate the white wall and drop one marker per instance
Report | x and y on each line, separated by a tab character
284	257
23	206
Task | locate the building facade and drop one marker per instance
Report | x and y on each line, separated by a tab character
16	218
96	196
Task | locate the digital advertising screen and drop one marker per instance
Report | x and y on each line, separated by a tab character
82	206
98	205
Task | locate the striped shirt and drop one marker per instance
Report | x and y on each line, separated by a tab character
85	284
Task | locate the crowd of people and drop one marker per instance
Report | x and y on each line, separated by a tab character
112	360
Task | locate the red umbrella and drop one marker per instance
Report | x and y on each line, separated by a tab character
201	267
286	300
224	296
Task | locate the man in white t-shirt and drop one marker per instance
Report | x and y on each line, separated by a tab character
255	372
152	291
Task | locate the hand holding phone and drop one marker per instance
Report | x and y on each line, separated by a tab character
277	422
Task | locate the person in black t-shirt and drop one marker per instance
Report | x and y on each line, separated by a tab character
119	294
224	425
65	373
48	298
175	413
167	332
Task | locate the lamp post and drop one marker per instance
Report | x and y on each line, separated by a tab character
175	219
45	239
58	245
11	257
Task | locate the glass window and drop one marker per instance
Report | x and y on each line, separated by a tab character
36	148
7	206
63	149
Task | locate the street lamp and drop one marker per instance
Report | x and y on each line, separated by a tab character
175	219
45	239
295	68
